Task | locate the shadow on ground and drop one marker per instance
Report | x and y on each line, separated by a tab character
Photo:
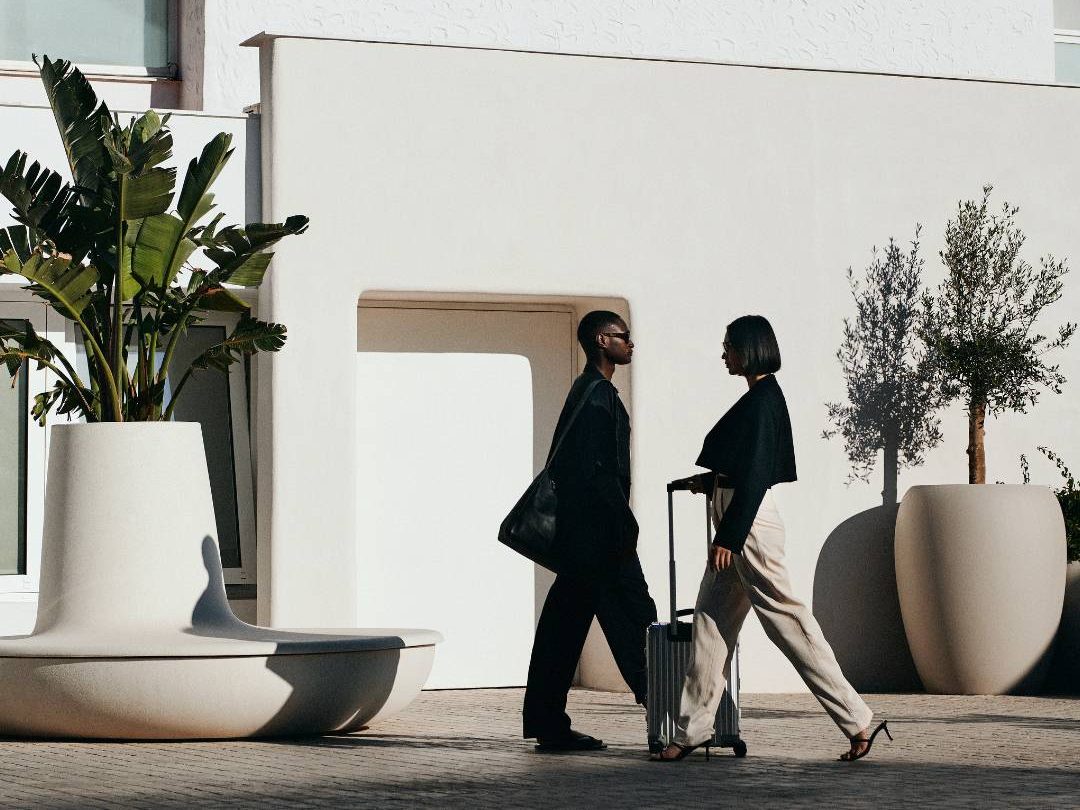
620	779
461	749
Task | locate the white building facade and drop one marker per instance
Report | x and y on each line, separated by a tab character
478	176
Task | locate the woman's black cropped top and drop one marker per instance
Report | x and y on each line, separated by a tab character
751	445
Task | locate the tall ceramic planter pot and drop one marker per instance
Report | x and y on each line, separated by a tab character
981	579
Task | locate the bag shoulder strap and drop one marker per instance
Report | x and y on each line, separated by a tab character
570	422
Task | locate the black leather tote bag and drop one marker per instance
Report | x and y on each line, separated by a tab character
529	529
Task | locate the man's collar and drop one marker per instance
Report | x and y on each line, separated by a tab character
591	372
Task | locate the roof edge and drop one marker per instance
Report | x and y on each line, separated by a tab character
265	37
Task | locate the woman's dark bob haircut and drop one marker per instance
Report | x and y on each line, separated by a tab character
752	339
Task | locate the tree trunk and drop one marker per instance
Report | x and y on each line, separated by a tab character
891	469
976	450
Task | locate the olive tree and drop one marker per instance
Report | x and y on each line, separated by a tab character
979	327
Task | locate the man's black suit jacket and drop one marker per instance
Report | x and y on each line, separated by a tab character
592	476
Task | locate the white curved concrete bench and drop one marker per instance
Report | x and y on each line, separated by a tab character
134	637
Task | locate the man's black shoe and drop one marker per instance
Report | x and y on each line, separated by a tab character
571	741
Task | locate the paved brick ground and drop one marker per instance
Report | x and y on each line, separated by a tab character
460	749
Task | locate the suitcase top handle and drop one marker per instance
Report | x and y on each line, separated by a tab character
704	481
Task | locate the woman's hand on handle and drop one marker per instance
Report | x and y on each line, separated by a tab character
720	558
701	483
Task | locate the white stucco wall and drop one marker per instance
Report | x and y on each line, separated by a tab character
1004	39
741	190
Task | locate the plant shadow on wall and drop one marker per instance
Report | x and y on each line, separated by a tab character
890	411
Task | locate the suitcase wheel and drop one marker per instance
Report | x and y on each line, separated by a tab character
740	748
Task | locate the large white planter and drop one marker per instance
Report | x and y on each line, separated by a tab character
134	636
980	575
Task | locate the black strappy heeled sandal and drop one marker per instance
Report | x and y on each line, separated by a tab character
684	752
847	756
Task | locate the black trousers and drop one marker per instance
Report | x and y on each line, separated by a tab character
619	598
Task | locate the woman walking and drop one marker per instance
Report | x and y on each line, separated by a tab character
751	450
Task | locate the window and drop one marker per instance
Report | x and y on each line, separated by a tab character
1067	41
218	403
125	33
14	410
22	448
1067	61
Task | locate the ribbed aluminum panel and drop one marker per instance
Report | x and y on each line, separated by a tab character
669	658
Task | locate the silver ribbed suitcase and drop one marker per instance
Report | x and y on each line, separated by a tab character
668	648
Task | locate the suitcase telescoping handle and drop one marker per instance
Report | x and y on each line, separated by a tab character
703	482
671	556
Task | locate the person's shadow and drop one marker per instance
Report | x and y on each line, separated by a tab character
857	606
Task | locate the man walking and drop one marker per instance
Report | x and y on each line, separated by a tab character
599	571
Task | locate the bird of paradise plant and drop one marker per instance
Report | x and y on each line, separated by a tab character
105	251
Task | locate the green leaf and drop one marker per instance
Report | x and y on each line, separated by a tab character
252	271
195	199
13	361
238	252
150	143
68	286
18	334
79	118
19	344
165	243
160	250
66	400
31	190
145	144
113	141
207	235
148	193
16	238
22	335
130	285
43	202
249	336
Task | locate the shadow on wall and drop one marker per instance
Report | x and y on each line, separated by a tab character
1064	677
856	603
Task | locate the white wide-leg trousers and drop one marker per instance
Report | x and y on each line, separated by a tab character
759	580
